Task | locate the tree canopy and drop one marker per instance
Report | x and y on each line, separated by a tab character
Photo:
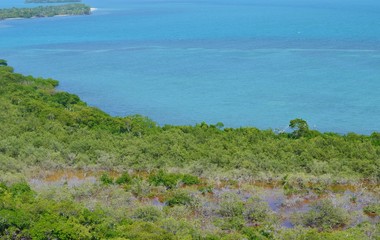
3	62
300	127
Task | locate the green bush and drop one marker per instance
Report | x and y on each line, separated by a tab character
17	218
147	213
257	233
182	229
57	227
188	179
106	179
169	180
65	99
366	231
179	198
293	185
3	63
20	188
3	188
124	179
231	205
257	211
140	188
372	209
230	223
144	231
322	215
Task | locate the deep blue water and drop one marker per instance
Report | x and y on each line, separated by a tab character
241	62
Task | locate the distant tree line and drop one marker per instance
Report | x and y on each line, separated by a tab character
45	11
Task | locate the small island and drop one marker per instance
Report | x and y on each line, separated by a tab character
51	1
46	11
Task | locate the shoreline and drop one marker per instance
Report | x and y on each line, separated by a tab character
8	19
48	11
59	15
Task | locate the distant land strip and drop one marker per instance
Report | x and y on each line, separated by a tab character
46	11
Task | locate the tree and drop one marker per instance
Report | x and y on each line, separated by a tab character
300	127
3	62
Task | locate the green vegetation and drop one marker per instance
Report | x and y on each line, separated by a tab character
124	179
40	120
300	127
47	11
65	213
106	179
323	215
44	127
179	198
3	62
372	209
171	182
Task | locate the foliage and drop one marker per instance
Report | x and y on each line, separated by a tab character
257	211
231	205
140	188
300	127
360	232
144	231
38	122
21	188
168	180
323	215
179	198
65	99
255	233
3	62
372	209
230	223
48	11
124	179
106	179
147	213
30	216
188	179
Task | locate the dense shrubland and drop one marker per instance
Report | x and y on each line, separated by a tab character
50	128
168	182
98	211
45	11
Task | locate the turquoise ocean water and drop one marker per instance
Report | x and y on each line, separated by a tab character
241	62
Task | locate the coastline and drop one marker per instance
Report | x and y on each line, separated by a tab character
46	11
60	15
